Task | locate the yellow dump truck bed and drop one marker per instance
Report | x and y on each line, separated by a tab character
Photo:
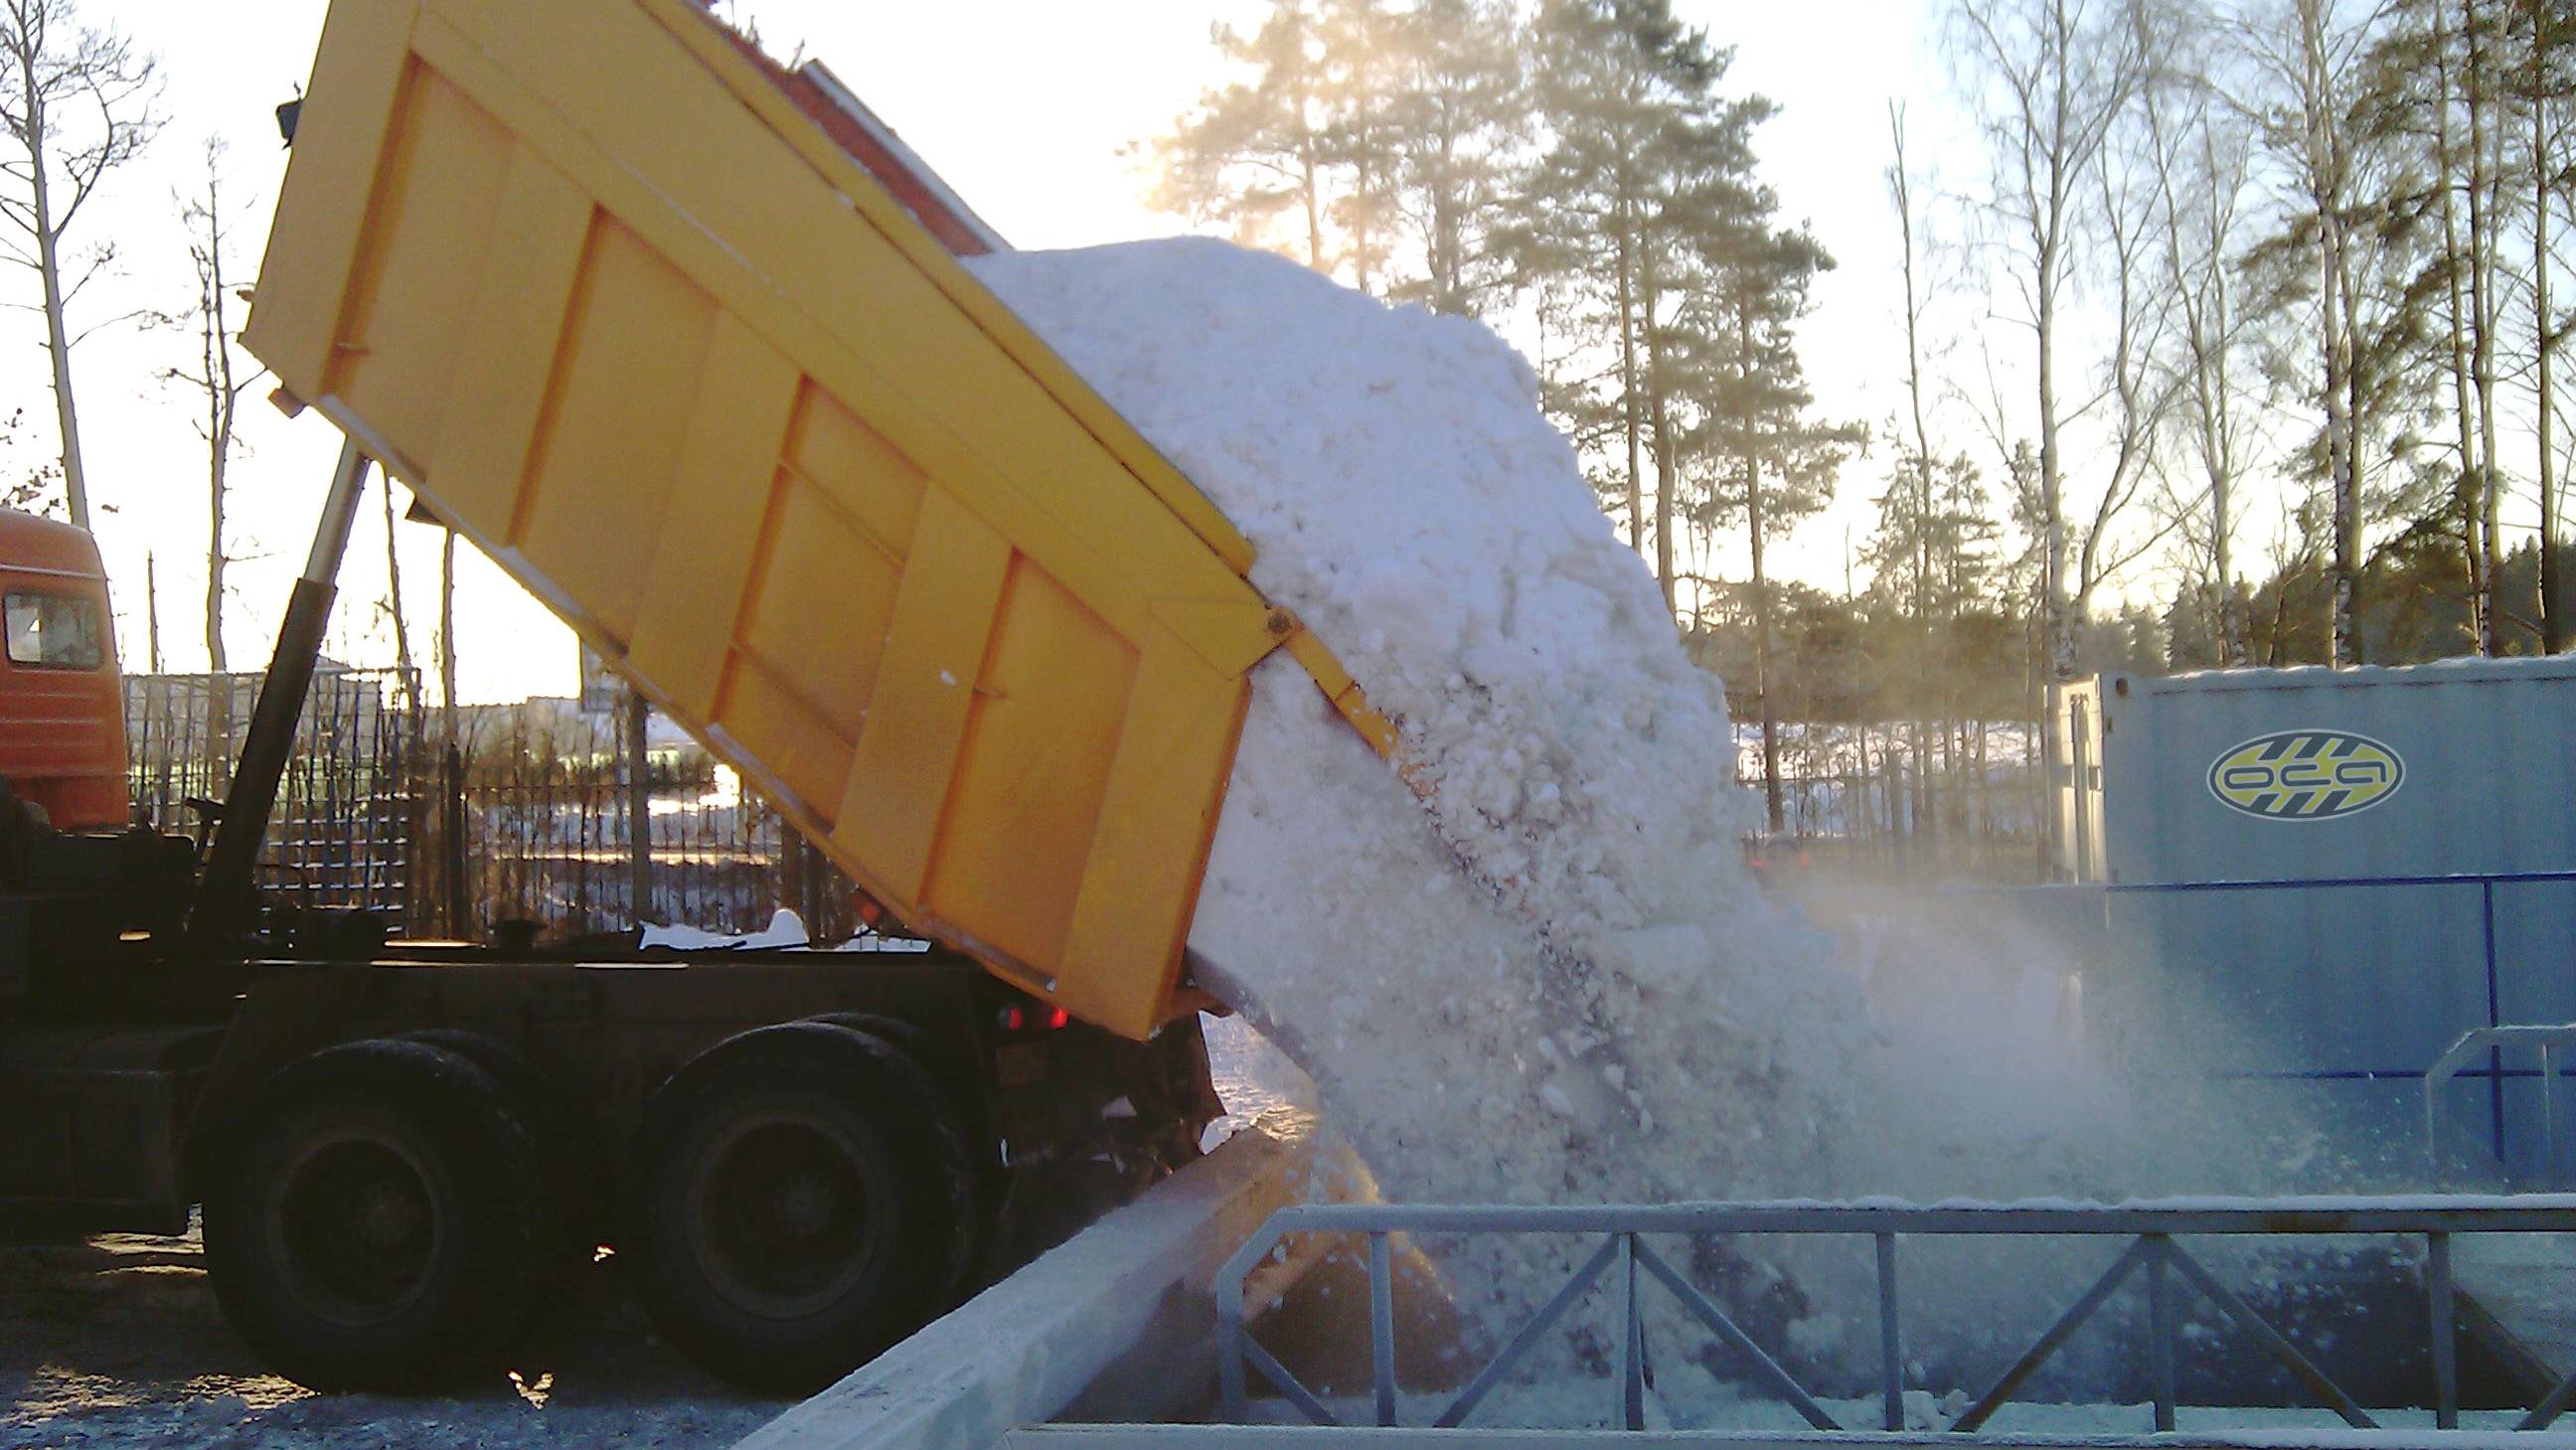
583	276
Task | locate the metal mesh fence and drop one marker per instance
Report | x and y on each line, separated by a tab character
523	819
347	812
546	835
1961	799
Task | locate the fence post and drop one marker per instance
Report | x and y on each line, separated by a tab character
639	812
451	865
2160	1328
2446	1345
1891	1347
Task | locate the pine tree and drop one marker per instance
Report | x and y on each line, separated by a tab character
1256	151
1647	175
1767	466
1457	121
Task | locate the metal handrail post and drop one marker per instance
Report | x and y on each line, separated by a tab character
1382	1326
1632	1357
1891	1347
2161	1327
2446	1344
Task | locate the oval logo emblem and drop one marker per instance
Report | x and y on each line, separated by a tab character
2306	775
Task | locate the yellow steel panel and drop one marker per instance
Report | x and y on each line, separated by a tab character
644	334
939	388
821	605
398	343
633	353
1157	820
863	473
313	243
923	252
906	761
703	564
507	348
786	737
1034	769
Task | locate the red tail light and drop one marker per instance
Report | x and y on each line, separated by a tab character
1058	1020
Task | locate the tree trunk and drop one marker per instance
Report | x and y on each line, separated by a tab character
2472	539
2218	429
1659	426
1923	624
2056	629
152	609
2325	181
1628	379
1762	645
2482	304
2341	451
2553	625
215	561
394	606
49	270
2058	618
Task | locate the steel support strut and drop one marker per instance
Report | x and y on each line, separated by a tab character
227	900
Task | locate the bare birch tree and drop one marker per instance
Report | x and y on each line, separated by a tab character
79	101
2048	81
2304	54
221	375
2202	161
2053	78
2549	32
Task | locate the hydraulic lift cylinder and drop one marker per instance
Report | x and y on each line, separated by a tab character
227	900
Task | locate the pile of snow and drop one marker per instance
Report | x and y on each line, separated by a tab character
1599	1005
1542	974
1602	968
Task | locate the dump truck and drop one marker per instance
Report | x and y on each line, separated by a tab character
680	339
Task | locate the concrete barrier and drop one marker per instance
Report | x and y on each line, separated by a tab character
1113	1323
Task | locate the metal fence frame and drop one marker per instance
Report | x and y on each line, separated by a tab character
2152	1228
345	827
2548	1037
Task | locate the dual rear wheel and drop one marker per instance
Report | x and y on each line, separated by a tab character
395	1213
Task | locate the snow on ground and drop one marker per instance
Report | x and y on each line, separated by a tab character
116	1343
786	932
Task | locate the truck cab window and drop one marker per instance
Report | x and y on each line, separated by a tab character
54	631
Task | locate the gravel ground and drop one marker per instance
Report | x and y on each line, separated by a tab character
117	1342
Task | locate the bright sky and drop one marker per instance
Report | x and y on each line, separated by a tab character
1022	104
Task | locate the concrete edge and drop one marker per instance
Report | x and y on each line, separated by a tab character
1119	1318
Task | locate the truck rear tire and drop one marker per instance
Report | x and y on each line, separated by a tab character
377	1218
803	1198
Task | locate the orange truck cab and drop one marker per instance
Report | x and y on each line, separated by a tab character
62	715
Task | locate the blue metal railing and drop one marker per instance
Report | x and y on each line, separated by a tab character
2151	1227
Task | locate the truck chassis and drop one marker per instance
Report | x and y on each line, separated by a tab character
796	1157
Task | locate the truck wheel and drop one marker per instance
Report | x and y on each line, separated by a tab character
802	1199
377	1218
573	1207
